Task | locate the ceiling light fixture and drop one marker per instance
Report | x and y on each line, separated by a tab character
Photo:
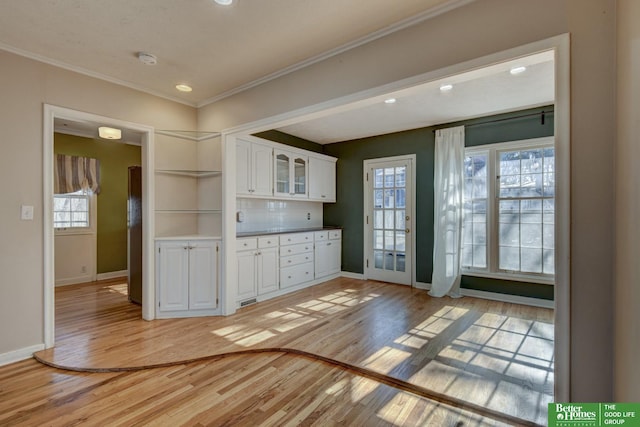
446	88
224	2
390	101
106	132
147	58
518	70
184	88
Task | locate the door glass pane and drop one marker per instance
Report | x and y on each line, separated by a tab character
388	219
378	178
401	178
389	177
400	224
377	218
377	256
389	244
400	261
388	199
388	261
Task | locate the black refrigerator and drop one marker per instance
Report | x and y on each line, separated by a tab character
134	234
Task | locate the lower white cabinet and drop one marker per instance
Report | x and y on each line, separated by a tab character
274	265
187	277
257	261
328	249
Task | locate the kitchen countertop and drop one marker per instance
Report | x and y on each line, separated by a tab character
281	231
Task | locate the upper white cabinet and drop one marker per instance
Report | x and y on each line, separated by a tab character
253	168
322	179
270	170
291	174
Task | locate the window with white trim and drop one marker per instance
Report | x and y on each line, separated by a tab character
72	210
509	210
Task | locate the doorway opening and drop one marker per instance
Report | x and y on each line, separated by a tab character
53	116
558	48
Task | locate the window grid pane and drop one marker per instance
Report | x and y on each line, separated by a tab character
526	211
474	228
71	210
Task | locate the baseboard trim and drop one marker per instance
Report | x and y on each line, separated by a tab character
20	354
350	275
112	274
75	280
495	296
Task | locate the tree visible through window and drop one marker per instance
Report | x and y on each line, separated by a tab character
514	232
71	210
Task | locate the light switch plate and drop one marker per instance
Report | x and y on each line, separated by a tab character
26	212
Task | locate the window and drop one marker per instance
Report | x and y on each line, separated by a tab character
509	209
72	210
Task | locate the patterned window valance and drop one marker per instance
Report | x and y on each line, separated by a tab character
73	173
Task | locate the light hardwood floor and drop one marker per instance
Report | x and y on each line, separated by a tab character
345	352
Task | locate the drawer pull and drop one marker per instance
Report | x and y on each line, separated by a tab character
329	244
289	261
289	277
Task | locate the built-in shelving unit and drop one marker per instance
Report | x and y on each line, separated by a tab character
188	184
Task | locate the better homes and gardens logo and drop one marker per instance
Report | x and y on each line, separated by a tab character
594	414
570	414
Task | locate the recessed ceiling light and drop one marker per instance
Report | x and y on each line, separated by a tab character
224	2
147	58
446	88
390	101
106	132
518	70
184	88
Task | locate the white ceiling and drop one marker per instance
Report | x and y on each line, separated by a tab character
476	93
215	49
222	50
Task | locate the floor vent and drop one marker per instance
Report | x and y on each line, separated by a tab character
248	302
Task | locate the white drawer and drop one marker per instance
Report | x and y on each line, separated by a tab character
295	238
296	249
295	275
320	236
287	261
335	234
267	242
247	244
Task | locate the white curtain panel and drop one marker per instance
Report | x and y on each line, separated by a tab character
448	185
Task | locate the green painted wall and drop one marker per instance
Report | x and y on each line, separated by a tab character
115	158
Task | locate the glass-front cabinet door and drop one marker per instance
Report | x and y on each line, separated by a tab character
300	166
291	174
282	166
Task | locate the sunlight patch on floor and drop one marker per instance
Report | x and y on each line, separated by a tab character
386	359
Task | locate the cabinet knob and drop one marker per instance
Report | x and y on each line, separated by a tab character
289	277
323	196
289	261
329	244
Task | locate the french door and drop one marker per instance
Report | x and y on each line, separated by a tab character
389	211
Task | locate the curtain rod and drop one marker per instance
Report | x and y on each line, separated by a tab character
540	113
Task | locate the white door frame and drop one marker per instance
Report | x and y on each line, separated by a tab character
560	45
367	265
51	112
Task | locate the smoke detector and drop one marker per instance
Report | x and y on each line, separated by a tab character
147	58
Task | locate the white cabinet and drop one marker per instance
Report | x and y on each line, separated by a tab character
257	267
322	179
328	249
187	277
253	168
296	259
291	174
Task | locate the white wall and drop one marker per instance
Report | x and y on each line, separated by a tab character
478	29
75	260
26	86
627	301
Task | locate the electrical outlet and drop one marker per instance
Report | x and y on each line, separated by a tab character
84	269
308	216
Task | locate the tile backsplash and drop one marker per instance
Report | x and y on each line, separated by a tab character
277	215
